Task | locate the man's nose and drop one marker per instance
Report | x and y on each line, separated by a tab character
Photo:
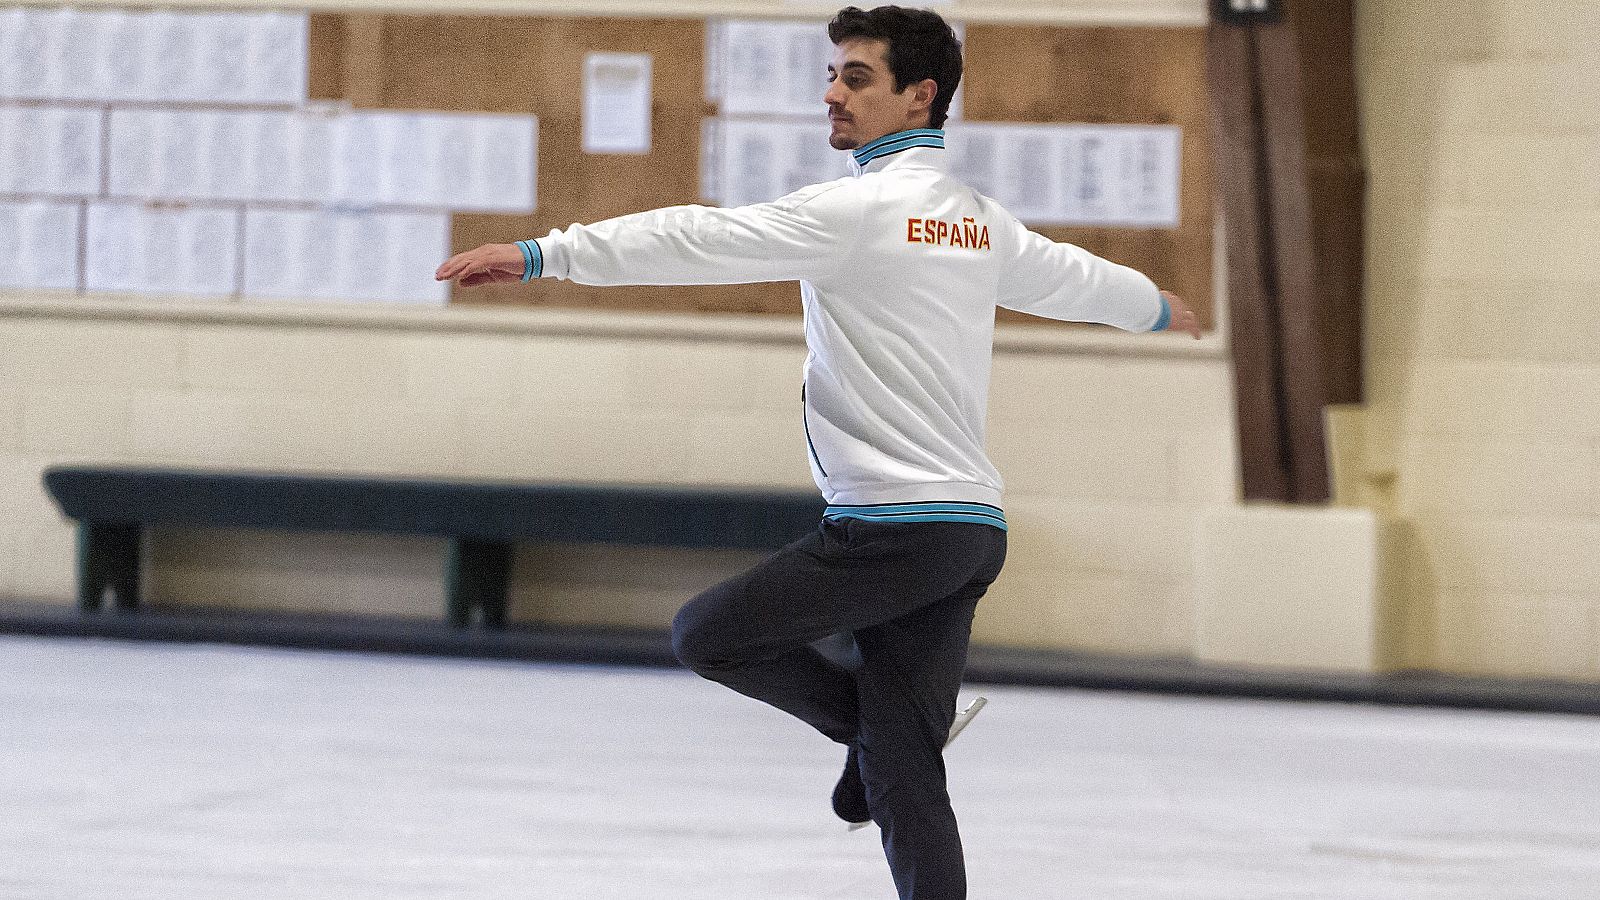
834	96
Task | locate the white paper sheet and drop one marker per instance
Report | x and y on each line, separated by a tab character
172	39
127	68
1151	176
140	249
1073	174
760	67
38	69
107	55
50	150
355	160
465	161
756	160
715	58
306	173
96	35
12	25
331	255
356	153
710	160
974	150
224	54
616	103
504	175
773	68
278	57
1123	175
39	244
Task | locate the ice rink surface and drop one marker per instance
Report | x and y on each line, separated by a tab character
170	771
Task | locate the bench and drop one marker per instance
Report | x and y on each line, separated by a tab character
114	506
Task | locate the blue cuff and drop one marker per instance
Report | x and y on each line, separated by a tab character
1166	316
532	259
527	260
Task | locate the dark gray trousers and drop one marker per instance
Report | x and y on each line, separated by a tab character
907	592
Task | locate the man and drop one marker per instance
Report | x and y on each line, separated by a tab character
900	269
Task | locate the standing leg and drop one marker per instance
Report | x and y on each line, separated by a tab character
912	669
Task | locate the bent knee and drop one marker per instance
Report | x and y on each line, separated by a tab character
699	644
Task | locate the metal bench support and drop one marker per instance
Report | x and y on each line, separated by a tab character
476	576
108	559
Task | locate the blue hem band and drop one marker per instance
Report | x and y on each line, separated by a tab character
1166	316
953	511
527	260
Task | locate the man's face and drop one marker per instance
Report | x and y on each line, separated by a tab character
862	103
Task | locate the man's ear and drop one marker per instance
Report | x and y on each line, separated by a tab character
926	90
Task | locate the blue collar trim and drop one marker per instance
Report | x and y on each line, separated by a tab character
900	140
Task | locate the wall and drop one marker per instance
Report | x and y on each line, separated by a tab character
1482	123
1082	12
1482	128
1112	445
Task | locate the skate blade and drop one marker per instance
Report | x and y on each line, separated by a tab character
856	826
964	718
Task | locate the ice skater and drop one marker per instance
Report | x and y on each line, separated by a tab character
900	267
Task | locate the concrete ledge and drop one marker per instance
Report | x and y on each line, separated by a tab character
992	665
466	318
1296	587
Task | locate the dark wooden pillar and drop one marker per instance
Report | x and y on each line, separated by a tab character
1288	169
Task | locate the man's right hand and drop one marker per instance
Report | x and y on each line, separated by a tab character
488	264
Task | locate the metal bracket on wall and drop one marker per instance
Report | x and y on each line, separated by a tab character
1247	12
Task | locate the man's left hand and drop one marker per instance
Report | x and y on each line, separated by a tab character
1183	318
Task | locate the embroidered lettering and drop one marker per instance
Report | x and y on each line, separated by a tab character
967	233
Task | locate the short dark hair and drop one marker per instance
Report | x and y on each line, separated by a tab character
921	45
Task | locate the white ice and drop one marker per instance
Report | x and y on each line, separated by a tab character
167	771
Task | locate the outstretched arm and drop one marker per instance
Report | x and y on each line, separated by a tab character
1063	281
808	234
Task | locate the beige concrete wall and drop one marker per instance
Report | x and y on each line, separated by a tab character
1482	126
1066	12
1112	446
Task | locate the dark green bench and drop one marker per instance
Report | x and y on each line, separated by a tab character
114	506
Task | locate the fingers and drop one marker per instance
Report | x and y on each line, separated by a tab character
487	276
473	260
1183	318
453	267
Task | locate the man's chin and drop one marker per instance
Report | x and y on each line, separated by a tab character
842	142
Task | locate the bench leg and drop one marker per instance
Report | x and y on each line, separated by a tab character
476	578
108	559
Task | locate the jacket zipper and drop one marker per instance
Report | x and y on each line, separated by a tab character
806	424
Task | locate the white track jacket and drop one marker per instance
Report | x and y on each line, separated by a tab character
900	267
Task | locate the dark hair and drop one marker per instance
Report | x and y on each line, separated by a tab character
921	45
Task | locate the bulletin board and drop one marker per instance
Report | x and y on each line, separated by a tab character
533	64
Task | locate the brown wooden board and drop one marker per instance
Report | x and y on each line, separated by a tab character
534	64
1021	73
